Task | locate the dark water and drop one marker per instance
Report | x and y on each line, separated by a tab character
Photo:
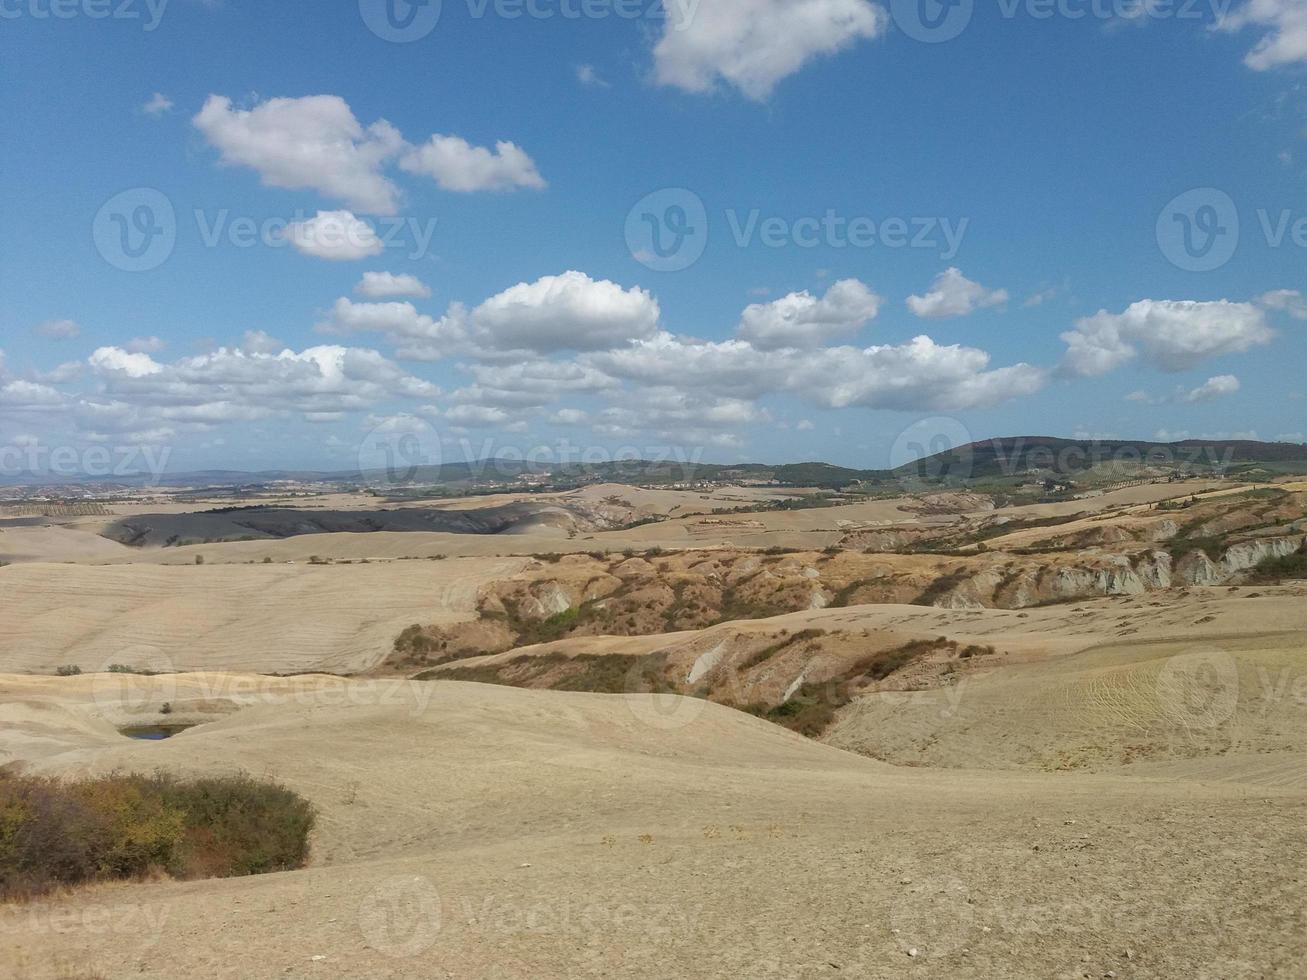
154	733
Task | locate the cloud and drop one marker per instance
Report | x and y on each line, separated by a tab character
1041	297
565	312
24	396
587	75
483	417
918	375
457	165
116	361
1286	24
236	385
685	418
569	416
311	143
1289	301
336	236
1218	387
146	345
59	330
158	105
65	373
953	294
802	320
259	342
417	336
754	44
1171	335
380	285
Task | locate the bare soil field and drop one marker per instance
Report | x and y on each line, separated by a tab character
1071	741
265	618
472	831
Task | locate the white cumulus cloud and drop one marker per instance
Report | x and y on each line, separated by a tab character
803	320
311	143
1171	335
754	44
381	285
565	312
1217	387
457	165
953	294
337	236
1285	22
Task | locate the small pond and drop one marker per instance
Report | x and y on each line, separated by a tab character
154	733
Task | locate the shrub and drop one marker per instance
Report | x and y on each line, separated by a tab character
57	834
1287	567
68	670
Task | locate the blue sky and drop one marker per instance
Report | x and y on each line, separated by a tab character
1064	155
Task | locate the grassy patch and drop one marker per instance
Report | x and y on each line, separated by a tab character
941	587
56	834
765	654
588	672
1277	569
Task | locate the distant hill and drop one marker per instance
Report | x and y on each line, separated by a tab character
1017	458
1043	455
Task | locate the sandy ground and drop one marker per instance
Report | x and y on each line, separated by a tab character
77	539
1122	792
269	618
471	832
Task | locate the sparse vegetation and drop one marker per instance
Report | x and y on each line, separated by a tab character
1274	570
56	834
